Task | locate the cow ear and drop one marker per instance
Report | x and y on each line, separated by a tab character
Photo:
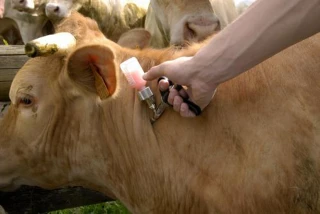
92	68
137	38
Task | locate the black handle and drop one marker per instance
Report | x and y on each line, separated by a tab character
164	94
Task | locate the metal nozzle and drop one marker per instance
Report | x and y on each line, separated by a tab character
147	95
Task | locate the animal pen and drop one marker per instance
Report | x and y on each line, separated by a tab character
32	199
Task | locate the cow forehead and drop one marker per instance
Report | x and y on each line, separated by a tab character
36	72
44	66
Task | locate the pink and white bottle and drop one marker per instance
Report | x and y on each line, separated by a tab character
133	73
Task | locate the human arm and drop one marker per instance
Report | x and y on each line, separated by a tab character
265	28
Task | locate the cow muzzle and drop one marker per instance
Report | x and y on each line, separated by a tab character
194	29
200	27
56	11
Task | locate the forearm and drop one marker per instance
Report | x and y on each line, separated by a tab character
264	29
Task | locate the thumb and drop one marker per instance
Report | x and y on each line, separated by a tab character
154	73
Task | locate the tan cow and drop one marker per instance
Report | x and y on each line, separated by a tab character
177	21
254	149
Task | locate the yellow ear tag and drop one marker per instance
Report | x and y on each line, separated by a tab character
100	85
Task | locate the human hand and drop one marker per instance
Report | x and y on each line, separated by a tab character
184	71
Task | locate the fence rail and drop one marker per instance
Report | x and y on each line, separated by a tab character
12	58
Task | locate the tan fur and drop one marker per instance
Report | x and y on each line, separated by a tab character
255	148
114	17
137	38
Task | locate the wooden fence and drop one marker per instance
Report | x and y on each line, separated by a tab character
12	58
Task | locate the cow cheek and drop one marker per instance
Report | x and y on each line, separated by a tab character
9	167
30	123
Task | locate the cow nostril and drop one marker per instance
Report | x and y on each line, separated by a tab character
189	32
198	28
21	1
56	9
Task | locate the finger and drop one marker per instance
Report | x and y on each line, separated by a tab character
177	101
163	84
173	93
185	111
154	73
183	93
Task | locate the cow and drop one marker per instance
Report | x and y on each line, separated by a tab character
30	25
23	5
173	22
114	17
254	149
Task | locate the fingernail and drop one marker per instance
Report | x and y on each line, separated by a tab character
144	76
161	87
183	108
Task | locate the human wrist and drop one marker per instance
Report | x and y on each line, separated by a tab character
204	73
214	63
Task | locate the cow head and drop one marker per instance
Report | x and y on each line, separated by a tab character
23	5
59	9
47	95
174	22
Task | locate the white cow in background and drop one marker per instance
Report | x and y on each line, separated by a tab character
176	21
114	17
30	25
168	21
24	5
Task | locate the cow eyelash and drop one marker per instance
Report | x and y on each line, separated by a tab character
26	101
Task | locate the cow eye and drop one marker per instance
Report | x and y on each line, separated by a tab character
27	101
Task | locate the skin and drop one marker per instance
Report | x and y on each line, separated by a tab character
273	25
1	8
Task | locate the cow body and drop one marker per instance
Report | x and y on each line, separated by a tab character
255	148
114	17
174	22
